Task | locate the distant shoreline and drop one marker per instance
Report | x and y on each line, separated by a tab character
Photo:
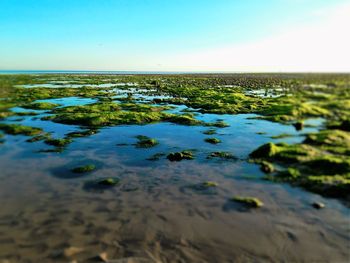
101	72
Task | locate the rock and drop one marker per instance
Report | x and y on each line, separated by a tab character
267	167
248	201
71	251
318	205
265	151
100	258
84	169
298	125
178	156
212	140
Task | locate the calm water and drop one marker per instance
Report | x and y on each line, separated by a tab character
155	214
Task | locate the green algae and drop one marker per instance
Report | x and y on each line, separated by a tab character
17	129
39	137
156	157
145	142
281	136
267	167
210	132
40	106
58	142
222	155
108	181
101	184
206	188
251	202
320	164
209	184
264	151
108	114
84	169
79	134
184	119
212	140
322	159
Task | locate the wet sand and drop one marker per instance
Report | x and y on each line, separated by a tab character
154	216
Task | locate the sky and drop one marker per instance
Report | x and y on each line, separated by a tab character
176	35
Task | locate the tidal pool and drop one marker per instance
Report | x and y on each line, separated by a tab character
154	214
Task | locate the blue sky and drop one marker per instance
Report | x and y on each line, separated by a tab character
192	35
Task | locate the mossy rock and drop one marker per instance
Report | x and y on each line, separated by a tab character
84	169
41	106
145	142
17	129
156	157
267	167
344	125
208	184
212	140
108	181
265	151
329	138
210	132
58	142
101	184
281	136
222	155
39	137
289	174
251	202
79	134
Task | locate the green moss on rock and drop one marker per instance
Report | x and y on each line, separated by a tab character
252	202
84	169
41	106
212	140
145	142
17	129
58	142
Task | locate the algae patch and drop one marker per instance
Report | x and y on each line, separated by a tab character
251	202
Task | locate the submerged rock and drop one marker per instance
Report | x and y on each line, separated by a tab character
248	201
210	132
99	185
85	133
17	129
222	155
264	151
58	142
267	167
108	181
145	142
178	156
84	169
156	157
208	184
212	140
41	106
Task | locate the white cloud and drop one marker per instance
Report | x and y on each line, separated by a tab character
321	46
